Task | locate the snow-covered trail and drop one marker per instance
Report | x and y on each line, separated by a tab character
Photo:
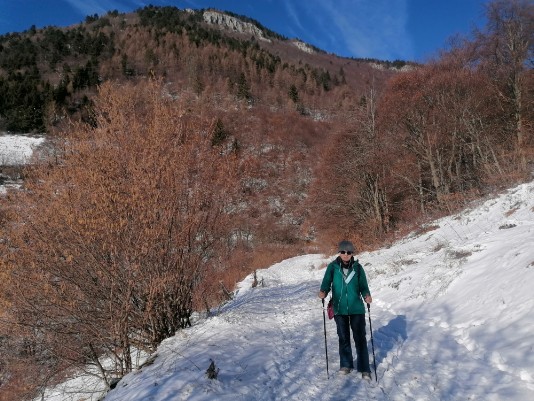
252	341
269	345
452	317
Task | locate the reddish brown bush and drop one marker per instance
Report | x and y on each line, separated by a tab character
113	235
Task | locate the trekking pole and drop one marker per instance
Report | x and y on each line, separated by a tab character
372	341
325	345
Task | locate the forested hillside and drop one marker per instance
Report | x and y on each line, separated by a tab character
183	155
52	73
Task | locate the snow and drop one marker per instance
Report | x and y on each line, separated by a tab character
452	319
16	150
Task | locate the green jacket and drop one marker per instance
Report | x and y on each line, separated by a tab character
347	297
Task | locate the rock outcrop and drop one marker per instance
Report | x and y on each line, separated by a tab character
234	24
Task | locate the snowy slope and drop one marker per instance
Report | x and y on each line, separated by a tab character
452	318
16	150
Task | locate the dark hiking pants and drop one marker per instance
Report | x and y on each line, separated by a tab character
344	325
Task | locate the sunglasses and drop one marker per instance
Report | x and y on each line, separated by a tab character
345	252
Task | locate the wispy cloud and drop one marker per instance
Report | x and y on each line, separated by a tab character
87	7
363	29
294	15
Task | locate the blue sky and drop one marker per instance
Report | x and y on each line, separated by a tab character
383	29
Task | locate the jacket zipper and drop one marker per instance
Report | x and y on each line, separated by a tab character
345	286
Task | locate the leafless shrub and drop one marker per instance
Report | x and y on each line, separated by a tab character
425	228
458	254
111	241
511	211
438	247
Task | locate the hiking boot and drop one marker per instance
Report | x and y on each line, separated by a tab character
345	371
366	375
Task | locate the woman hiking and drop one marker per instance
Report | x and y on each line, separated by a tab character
346	279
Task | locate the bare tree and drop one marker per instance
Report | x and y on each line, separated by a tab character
507	54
